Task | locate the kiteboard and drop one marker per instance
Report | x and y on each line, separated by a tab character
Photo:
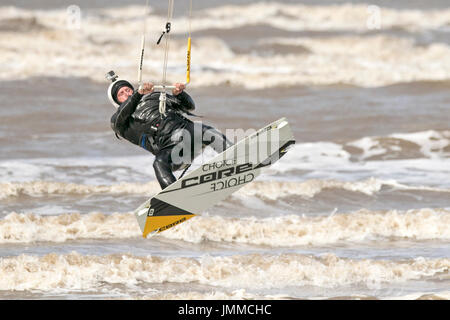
215	180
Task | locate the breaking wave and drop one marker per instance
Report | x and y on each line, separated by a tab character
40	188
324	163
424	224
271	190
285	231
431	144
375	59
53	272
290	17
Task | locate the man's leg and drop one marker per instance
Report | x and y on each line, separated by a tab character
164	165
163	168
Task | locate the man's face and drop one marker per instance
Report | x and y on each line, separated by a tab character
124	93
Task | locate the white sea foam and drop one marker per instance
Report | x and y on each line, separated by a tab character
433	144
29	228
40	188
306	161
74	271
373	61
430	144
91	170
265	190
303	17
294	230
286	231
416	160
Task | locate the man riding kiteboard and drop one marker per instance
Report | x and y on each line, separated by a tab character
139	120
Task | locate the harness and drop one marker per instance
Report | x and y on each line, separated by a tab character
151	139
148	141
155	123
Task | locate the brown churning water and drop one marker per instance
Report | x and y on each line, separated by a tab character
358	208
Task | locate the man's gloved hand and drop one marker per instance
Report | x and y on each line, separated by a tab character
179	87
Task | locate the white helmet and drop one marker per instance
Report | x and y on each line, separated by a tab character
114	87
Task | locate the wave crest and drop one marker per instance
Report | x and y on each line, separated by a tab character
270	190
75	271
286	231
423	224
395	59
39	188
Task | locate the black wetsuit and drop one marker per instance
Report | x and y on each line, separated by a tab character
138	120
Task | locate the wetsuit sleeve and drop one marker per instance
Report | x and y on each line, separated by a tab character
121	119
185	102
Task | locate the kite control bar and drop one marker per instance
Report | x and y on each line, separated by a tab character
163	88
160	88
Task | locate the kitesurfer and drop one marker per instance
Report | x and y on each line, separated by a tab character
138	119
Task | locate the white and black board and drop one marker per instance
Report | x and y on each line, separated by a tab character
215	180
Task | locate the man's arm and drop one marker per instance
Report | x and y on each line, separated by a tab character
120	120
185	102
